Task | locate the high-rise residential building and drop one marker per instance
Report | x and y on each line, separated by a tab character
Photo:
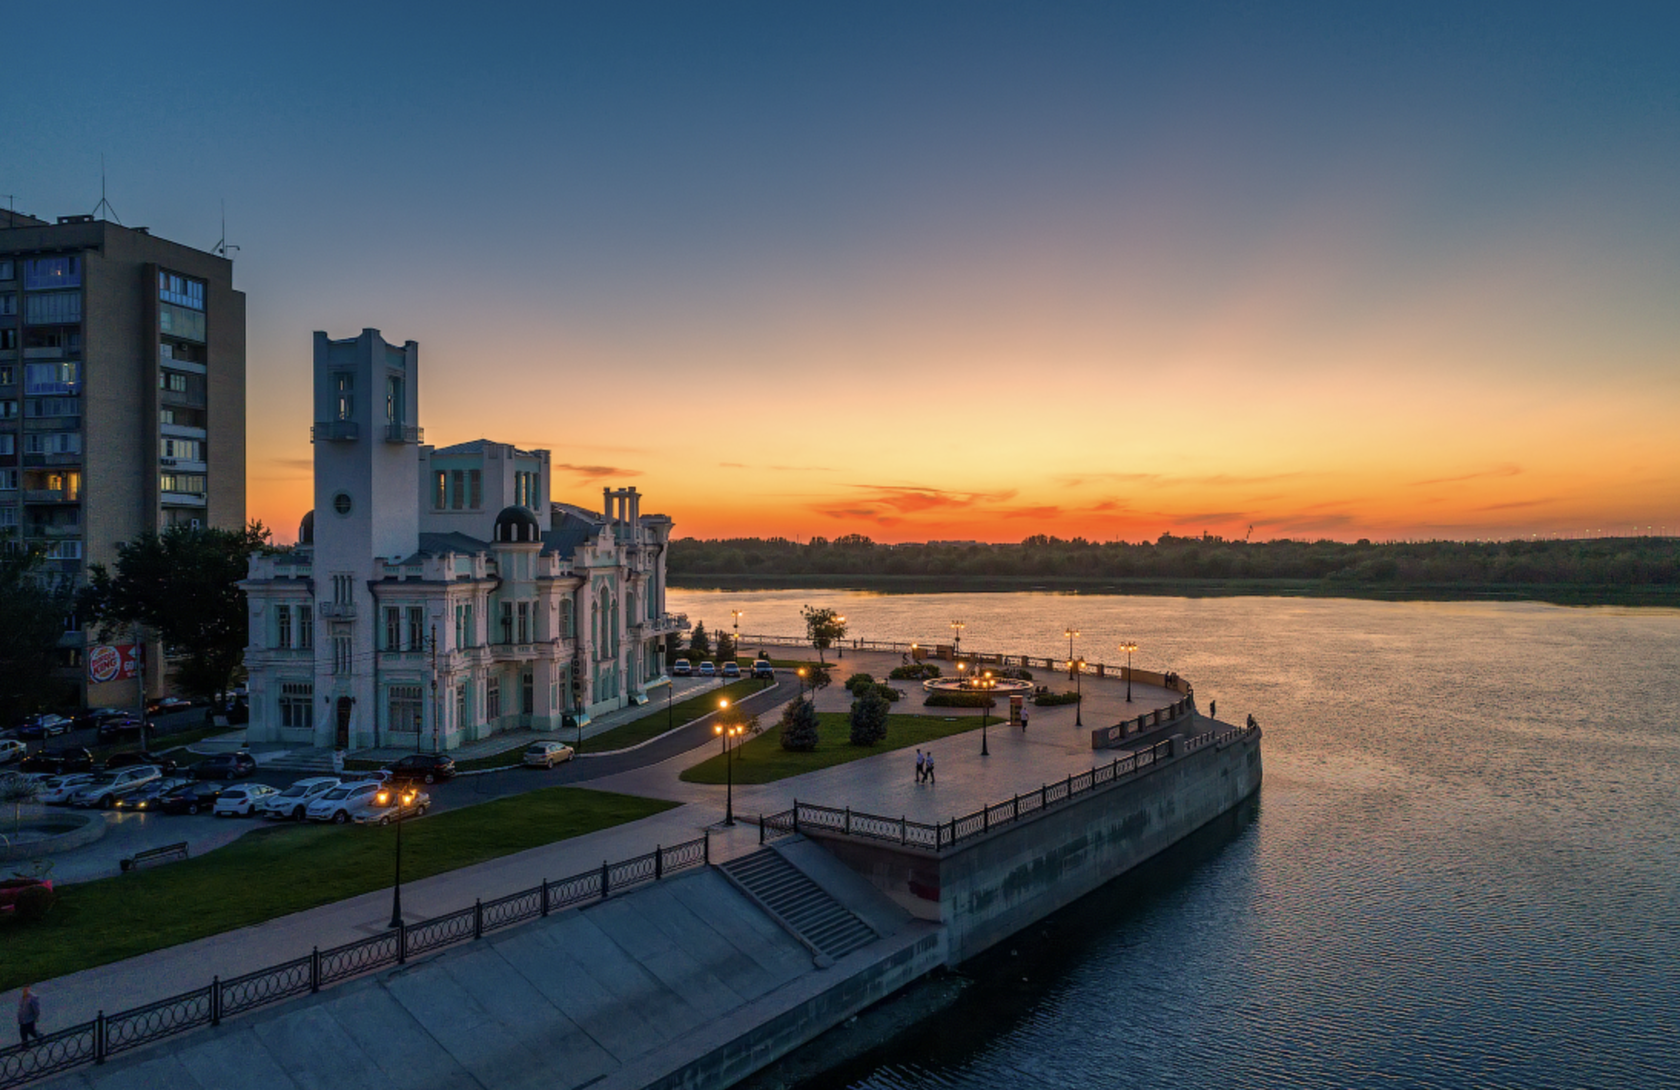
122	400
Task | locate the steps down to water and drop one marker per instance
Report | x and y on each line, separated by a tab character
813	916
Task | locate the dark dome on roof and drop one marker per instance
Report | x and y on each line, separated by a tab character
518	524
306	529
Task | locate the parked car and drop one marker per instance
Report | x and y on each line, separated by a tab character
165	704
149	797
12	750
241	801
391	804
226	766
341	804
762	668
294	800
547	754
681	668
117	726
56	790
57	761
140	757
425	767
41	726
102	791
731	669
191	797
708	669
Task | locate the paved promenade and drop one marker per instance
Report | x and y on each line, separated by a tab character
1050	750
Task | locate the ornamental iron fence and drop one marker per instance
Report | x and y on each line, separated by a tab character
111	1034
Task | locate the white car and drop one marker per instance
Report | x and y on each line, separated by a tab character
56	790
103	789
547	754
344	802
11	750
294	800
241	801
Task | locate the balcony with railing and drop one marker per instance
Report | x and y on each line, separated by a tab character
52	495
338	611
334	431
665	622
404	433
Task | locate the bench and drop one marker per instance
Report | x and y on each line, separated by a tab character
155	855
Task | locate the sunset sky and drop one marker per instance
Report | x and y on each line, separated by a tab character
921	270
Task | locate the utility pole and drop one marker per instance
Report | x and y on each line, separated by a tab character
437	709
140	680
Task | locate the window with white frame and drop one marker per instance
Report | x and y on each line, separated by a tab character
493	698
305	628
54	308
403	708
297	704
416	628
52	442
283	627
393	628
8	480
183	450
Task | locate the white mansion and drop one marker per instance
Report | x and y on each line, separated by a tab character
437	596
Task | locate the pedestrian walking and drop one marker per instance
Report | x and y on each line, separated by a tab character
930	766
1213	709
29	1012
1023	720
920	766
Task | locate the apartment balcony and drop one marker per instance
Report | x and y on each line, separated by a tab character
334	431
44	529
665	622
184	499
51	495
338	611
404	433
72	459
43	353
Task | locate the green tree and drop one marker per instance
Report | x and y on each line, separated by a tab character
725	647
35	606
859	681
799	727
182	584
823	626
699	645
869	717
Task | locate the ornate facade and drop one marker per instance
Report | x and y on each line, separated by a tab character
437	596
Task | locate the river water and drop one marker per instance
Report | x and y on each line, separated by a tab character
1463	870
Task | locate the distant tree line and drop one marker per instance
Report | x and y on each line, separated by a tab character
1612	562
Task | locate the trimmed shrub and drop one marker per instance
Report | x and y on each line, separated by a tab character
799	727
916	671
1051	700
888	693
869	717
959	700
857	682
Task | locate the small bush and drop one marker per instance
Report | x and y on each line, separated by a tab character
888	693
857	682
1051	700
799	727
959	700
1019	673
916	671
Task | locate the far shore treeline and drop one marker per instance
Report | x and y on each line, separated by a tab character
1623	570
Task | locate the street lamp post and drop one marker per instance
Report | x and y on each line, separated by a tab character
840	641
384	798
727	733
1128	647
985	684
735	646
1070	634
1077	667
956	644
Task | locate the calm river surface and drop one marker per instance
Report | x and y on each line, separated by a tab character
1464	869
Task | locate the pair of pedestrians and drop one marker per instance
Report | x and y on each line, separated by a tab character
924	766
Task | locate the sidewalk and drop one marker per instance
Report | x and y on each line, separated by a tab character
884	784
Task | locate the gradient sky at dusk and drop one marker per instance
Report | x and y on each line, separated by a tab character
935	270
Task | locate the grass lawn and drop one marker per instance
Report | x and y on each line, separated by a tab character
683	711
763	760
280	869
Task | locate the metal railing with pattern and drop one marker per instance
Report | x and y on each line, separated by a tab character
809	817
108	1035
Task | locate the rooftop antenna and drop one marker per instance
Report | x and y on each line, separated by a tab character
223	248
103	203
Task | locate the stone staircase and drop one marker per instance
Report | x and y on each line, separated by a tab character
827	928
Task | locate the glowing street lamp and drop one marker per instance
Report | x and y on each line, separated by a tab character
840	641
985	684
1070	634
1128	646
737	614
1076	667
956	644
728	734
384	798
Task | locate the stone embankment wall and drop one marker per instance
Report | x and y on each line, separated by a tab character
992	886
